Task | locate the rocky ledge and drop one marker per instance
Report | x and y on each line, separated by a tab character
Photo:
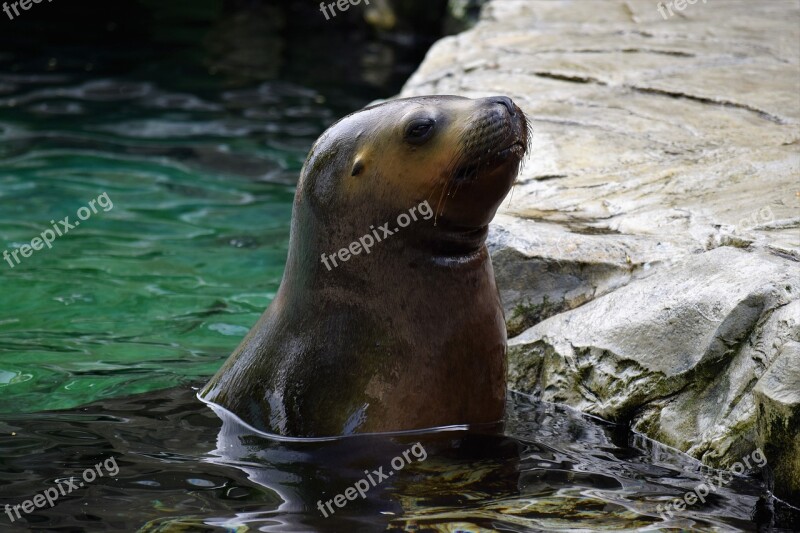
649	255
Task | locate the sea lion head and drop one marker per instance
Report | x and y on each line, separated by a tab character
459	154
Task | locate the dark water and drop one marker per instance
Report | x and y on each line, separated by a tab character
181	469
194	119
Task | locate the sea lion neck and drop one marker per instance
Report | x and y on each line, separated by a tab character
316	253
443	243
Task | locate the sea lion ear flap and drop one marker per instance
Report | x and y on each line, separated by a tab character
358	168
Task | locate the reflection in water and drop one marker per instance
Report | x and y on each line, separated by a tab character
182	465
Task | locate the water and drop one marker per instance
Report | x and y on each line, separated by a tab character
159	288
181	469
195	125
196	131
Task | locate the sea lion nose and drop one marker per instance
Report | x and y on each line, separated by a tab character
506	102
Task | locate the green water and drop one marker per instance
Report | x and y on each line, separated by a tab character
197	144
155	291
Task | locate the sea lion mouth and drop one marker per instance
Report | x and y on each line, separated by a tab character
498	136
519	148
490	159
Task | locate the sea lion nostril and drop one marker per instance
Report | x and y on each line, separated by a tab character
506	102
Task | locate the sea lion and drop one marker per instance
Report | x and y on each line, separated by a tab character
405	333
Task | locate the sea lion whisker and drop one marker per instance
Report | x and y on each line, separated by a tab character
437	212
450	185
455	191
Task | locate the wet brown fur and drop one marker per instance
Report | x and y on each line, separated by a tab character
412	334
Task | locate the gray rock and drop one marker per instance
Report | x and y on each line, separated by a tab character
544	268
652	241
777	396
677	355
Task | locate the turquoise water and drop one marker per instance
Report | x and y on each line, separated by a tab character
161	287
194	117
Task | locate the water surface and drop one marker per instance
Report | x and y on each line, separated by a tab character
182	469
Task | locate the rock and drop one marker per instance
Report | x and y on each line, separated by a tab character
652	241
677	354
544	268
777	396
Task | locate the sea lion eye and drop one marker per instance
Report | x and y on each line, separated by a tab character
419	130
